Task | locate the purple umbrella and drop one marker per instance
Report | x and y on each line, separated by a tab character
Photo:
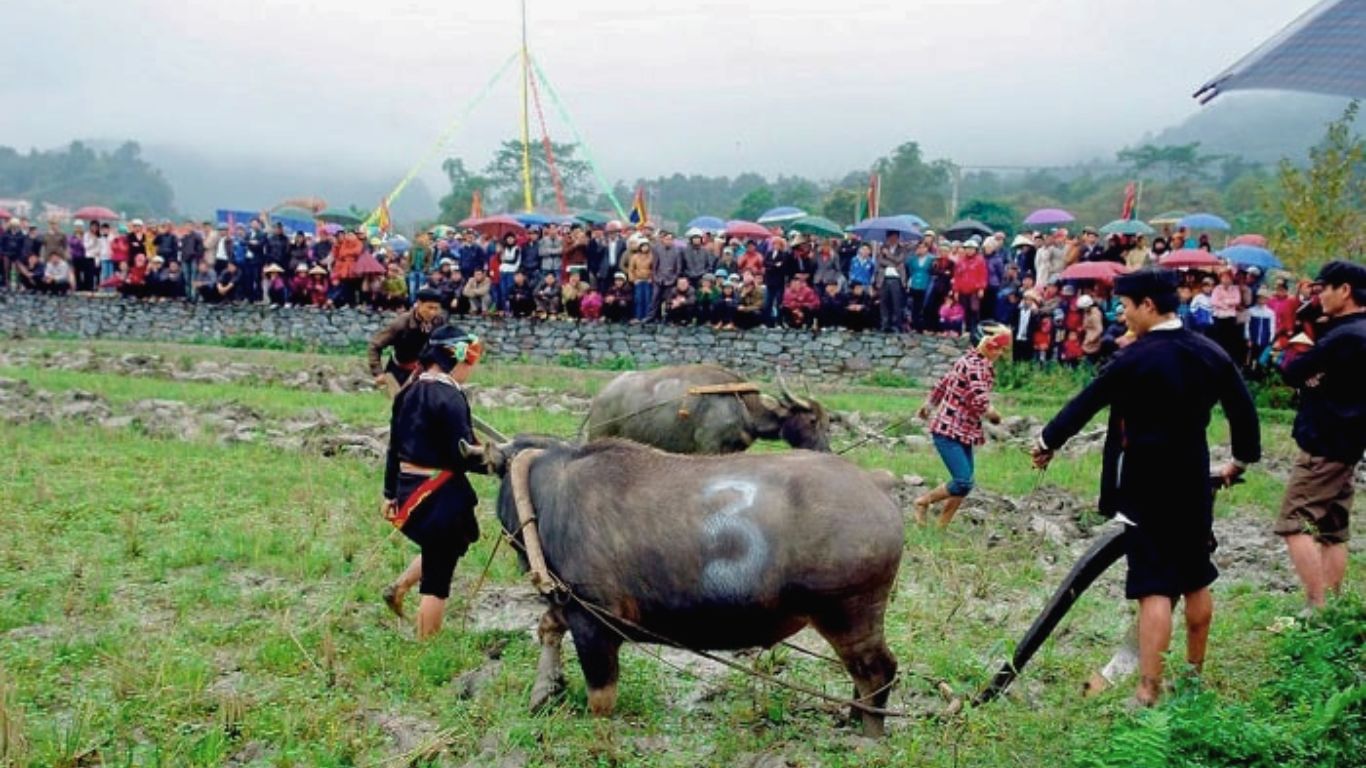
1049	216
332	229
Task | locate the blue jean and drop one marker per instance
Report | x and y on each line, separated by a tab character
504	289
957	457
643	295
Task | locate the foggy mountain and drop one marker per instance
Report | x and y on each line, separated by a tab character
1261	127
204	181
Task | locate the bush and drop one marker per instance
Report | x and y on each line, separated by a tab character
1312	714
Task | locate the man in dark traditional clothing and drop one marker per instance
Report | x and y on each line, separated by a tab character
1155	478
426	493
406	335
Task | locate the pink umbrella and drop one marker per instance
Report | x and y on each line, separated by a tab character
737	228
1049	216
1190	257
1255	240
367	265
95	213
4	214
494	226
1104	271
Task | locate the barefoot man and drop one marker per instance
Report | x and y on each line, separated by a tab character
1155	478
426	493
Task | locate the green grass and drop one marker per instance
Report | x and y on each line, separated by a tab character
169	603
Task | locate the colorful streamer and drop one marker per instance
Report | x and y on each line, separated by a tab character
549	150
578	138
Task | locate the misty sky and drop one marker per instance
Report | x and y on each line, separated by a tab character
775	86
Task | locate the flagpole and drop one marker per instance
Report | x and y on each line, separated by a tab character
526	128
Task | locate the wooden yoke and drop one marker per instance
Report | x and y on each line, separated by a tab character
736	388
520	474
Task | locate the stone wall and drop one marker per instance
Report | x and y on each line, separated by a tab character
834	352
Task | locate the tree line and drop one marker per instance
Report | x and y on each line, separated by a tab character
78	175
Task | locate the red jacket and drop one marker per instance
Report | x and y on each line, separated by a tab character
970	276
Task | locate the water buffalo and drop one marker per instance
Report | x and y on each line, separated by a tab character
710	552
654	408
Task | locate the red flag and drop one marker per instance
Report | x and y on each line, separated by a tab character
1130	208
476	205
874	195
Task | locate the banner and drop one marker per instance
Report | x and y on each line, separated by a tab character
234	218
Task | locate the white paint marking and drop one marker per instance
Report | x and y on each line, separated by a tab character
731	579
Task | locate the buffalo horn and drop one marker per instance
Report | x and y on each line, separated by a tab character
787	393
468	451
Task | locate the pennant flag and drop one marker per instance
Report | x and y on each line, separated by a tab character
476	205
383	218
638	213
874	195
861	209
1130	209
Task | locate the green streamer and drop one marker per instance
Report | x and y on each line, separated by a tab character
578	138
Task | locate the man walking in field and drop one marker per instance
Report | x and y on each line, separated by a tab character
1155	477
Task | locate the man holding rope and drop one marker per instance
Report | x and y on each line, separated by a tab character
1155	479
426	493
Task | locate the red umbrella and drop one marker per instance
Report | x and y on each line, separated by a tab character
495	226
367	265
1257	240
737	228
95	213
1104	271
1190	257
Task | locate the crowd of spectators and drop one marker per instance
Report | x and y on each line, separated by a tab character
618	274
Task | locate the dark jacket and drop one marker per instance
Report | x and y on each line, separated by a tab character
429	420
1331	378
192	246
1160	391
12	243
778	268
167	245
472	257
277	249
405	335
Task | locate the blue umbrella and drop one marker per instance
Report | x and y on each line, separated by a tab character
398	244
530	219
1251	256
780	215
707	224
916	220
877	229
1203	221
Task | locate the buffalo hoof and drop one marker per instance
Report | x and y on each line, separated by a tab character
546	690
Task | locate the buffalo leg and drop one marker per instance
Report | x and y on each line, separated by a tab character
859	640
598	648
549	670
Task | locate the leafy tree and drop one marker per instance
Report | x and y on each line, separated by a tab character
455	205
910	185
504	174
1322	205
841	205
993	213
1179	161
79	175
753	204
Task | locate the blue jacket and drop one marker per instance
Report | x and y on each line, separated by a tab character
861	271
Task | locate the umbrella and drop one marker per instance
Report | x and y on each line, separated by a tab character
531	219
591	218
291	212
916	220
1104	271
781	215
707	224
878	229
1257	240
1167	217
339	216
817	225
1126	227
4	214
332	229
442	230
1049	216
398	244
962	230
495	226
367	265
737	228
1189	257
1251	256
96	212
1203	221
